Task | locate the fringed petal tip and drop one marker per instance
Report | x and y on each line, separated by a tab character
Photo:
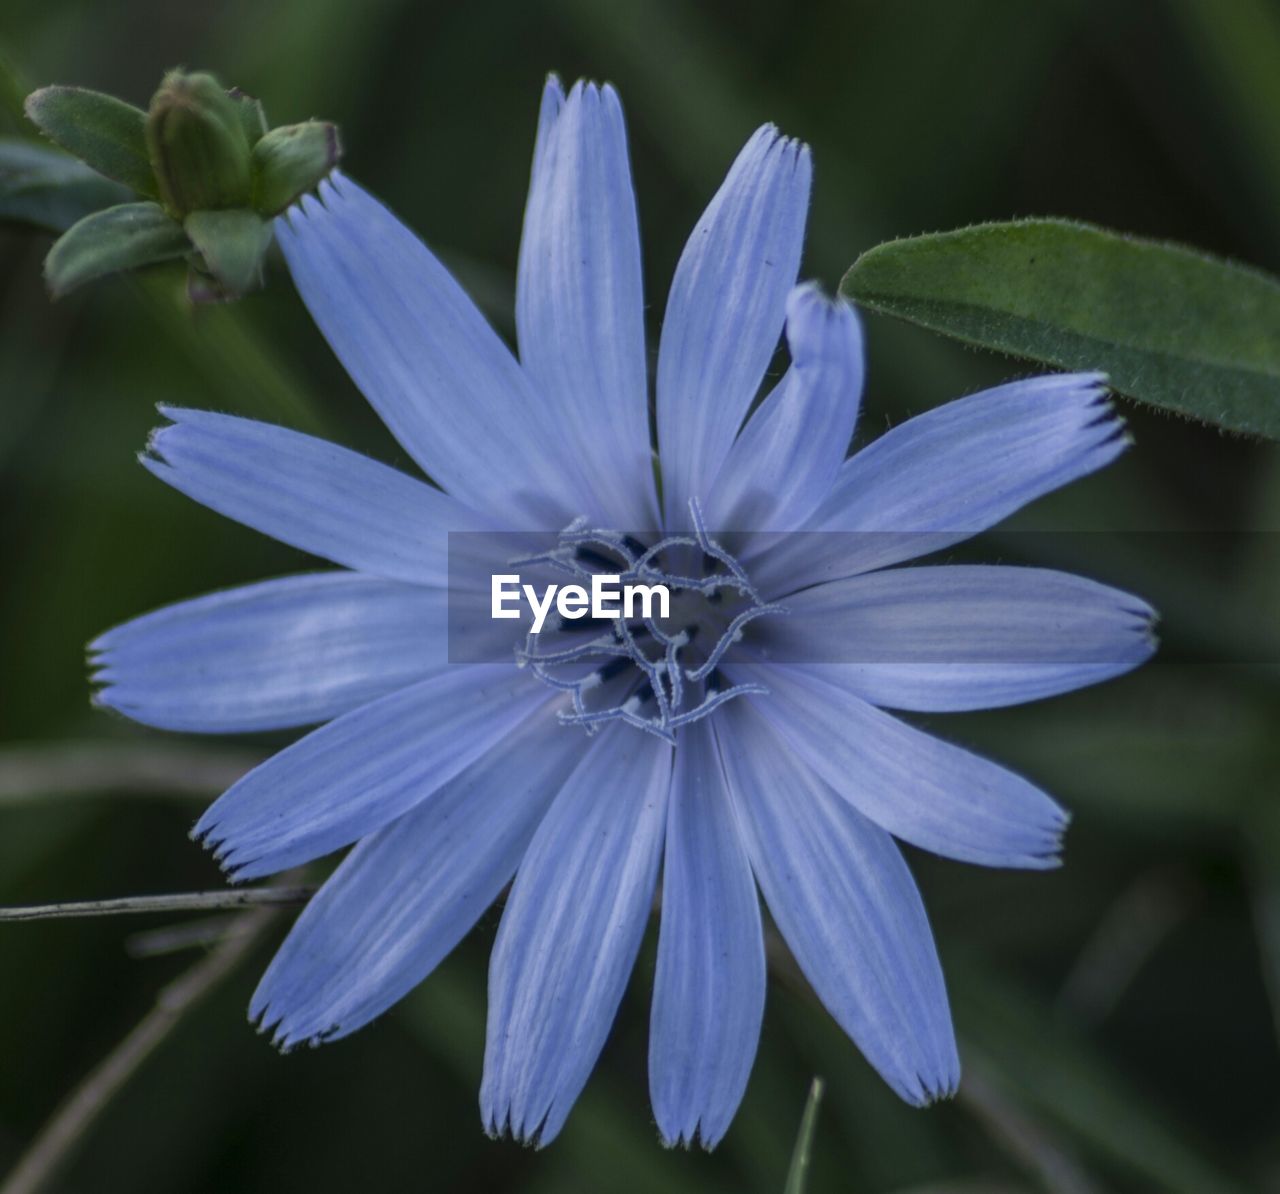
583	97
284	1037
103	696
153	456
1150	628
582	89
503	1126
102	699
191	416
104	691
1146	618
320	201
687	1137
930	1089
820	328
1139	637
97	655
1144	626
1084	391
1086	399
770	139
231	859
1097	406
1047	855
153	450
549	109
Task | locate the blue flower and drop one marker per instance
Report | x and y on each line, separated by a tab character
741	744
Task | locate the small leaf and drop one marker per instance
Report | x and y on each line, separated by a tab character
123	237
104	132
798	1172
290	161
253	116
232	243
48	188
1172	327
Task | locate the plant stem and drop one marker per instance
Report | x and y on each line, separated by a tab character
35	772
63	1133
798	1173
186	901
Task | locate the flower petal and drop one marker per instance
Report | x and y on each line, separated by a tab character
948	474
708	996
406	895
955	637
439	376
311	494
289	652
919	788
580	302
570	933
783	465
726	310
846	904
362	771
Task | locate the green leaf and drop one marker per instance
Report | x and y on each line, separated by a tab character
798	1173
123	237
43	186
104	132
1172	327
290	161
232	243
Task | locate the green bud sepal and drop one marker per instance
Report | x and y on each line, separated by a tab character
231	245
290	161
117	238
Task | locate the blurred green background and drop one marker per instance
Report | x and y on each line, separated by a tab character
1118	1018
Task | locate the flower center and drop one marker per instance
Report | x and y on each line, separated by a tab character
654	673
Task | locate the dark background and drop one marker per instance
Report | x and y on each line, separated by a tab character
1114	1016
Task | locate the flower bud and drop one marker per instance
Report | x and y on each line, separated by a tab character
290	161
197	144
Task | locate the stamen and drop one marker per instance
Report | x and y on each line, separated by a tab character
665	693
732	635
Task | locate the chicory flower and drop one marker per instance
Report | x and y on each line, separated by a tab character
742	743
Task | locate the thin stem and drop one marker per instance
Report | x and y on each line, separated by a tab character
208	930
63	1133
187	901
802	1154
230	353
1126	937
30	773
1026	1140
